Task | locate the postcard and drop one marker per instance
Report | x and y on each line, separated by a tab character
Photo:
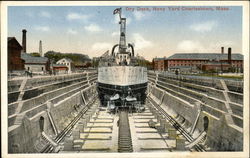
125	79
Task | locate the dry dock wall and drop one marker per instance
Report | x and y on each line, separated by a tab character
63	112
28	104
222	135
14	85
180	99
24	132
22	138
37	86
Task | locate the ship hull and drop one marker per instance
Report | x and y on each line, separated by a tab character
126	81
105	91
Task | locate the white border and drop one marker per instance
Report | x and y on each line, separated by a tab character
245	50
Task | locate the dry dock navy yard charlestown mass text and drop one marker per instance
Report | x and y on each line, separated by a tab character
186	8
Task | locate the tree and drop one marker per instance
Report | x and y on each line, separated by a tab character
35	54
88	64
55	56
75	57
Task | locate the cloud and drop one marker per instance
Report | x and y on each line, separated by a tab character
128	20
204	26
42	28
115	33
71	31
190	46
139	15
216	45
101	46
45	14
224	44
77	16
93	28
140	42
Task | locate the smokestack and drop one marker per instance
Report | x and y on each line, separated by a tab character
222	50
24	40
40	48
229	55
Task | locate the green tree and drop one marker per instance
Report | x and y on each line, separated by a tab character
75	57
35	54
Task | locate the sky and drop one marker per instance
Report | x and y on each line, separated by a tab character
155	31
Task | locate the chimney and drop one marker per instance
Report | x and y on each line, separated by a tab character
229	55
222	50
40	48
24	41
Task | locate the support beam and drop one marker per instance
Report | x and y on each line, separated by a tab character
52	123
197	117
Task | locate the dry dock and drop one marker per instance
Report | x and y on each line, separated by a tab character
62	114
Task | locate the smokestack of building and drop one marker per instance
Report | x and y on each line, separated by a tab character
222	50
40	48
24	41
229	55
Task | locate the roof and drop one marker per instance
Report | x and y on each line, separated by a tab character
14	39
206	56
33	60
157	59
10	38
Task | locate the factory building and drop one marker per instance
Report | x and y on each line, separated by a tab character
160	64
207	61
201	61
31	63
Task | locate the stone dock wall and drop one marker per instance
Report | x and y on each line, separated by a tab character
57	96
183	97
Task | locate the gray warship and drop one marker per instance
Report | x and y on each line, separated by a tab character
122	82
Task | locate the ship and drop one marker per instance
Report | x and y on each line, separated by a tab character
122	81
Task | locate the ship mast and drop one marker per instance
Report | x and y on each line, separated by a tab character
122	22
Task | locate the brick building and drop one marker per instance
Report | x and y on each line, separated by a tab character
219	66
207	61
15	63
160	64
